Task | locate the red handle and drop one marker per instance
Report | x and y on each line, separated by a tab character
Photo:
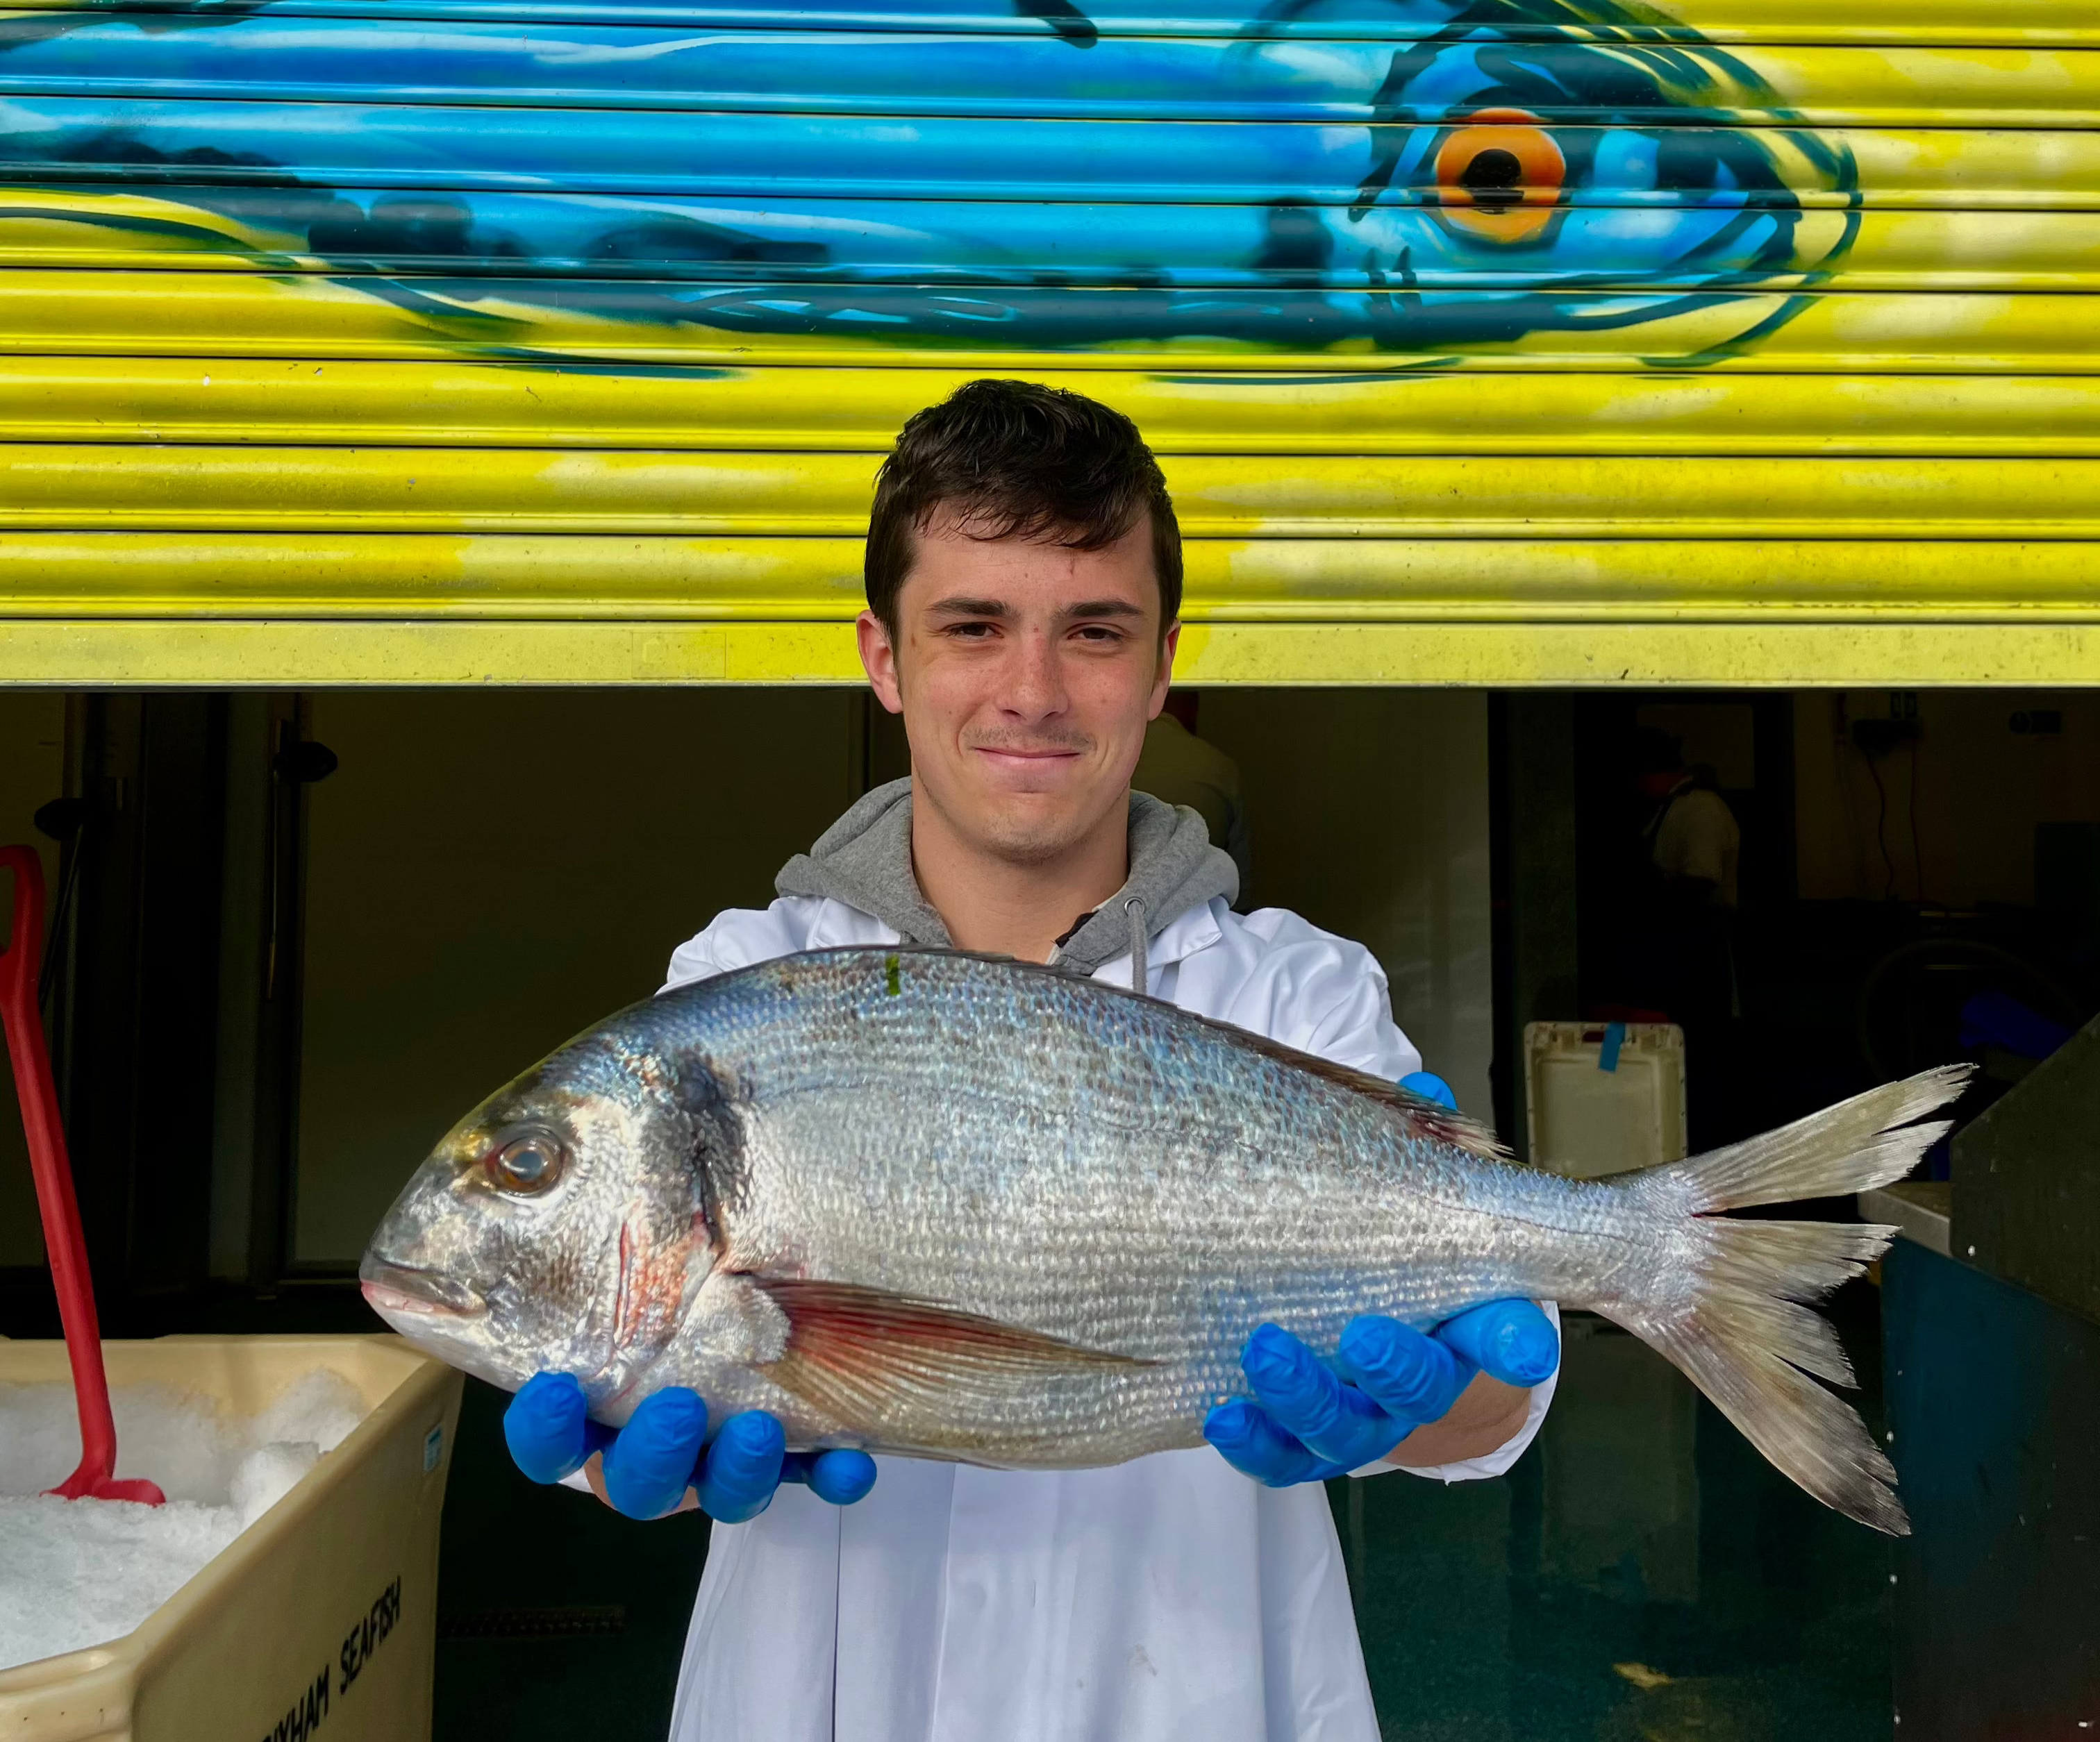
63	1242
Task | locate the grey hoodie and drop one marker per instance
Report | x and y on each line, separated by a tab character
864	859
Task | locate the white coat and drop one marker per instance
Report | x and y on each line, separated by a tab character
1166	1598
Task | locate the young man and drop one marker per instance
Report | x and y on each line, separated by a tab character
1024	576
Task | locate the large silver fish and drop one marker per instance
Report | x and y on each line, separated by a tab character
954	1207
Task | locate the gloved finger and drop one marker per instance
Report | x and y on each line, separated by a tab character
1411	1376
1253	1444
742	1468
841	1477
1429	1087
1513	1340
650	1464
1336	1422
545	1425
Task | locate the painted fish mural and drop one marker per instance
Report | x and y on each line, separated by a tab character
1409	180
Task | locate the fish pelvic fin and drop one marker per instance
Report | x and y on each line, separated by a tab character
869	1358
1742	1330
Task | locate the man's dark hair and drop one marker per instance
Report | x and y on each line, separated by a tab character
1008	459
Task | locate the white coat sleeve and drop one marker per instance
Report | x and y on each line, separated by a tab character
1338	1005
738	936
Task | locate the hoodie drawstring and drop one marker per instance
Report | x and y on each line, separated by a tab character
1139	980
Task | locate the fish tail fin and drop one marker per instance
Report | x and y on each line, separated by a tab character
1739	1325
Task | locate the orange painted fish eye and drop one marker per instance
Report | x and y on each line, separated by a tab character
1499	175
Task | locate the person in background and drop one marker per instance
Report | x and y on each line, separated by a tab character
1024	572
1696	838
1179	768
1693	845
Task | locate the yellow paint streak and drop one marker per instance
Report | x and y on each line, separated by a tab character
212	491
85	654
289	323
111	399
1269	579
1905	86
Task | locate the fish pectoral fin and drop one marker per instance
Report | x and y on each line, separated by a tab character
864	1356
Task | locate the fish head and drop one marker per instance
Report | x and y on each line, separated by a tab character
562	1225
1536	171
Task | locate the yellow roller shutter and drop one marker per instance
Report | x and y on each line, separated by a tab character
1483	340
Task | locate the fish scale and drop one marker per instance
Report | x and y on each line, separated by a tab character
947	1206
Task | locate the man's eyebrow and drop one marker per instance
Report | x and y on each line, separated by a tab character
958	605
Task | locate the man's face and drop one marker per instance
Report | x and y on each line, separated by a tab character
1026	673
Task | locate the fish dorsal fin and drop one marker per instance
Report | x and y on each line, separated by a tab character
863	1356
1422	1117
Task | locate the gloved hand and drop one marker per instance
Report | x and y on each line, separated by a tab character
1313	1424
1309	1424
1429	1087
665	1449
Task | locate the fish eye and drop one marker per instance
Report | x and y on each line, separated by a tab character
526	1162
1499	175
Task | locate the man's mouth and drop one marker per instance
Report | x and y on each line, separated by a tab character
403	1288
1013	753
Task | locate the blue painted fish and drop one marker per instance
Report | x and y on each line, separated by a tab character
954	1207
1426	179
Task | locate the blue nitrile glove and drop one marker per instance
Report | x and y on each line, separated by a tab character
1309	1424
1429	1087
665	1449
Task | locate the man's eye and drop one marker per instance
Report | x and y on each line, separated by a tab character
976	631
1100	634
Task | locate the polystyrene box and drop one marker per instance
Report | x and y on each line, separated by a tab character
1585	1121
336	1585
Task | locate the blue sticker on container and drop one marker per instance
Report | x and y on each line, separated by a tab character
434	1448
1615	1036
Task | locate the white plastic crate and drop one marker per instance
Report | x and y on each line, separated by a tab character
283	1630
1583	1120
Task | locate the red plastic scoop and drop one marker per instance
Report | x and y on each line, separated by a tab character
67	1251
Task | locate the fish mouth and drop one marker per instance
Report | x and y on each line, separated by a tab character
393	1288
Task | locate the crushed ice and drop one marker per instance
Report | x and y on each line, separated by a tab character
78	1572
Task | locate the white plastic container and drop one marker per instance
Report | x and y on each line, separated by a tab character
319	1620
1584	1120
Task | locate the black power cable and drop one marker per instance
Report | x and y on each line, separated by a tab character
63	820
1882	829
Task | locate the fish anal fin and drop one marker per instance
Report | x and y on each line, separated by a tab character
865	1356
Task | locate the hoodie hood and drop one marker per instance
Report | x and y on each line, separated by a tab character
864	860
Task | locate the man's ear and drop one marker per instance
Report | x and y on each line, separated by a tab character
878	659
1164	681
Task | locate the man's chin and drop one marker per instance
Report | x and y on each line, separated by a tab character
1029	828
1029	840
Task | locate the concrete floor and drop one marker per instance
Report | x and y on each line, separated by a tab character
1642	1575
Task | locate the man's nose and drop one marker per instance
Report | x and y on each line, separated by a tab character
1035	683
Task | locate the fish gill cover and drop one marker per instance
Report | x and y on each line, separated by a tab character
1400	178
